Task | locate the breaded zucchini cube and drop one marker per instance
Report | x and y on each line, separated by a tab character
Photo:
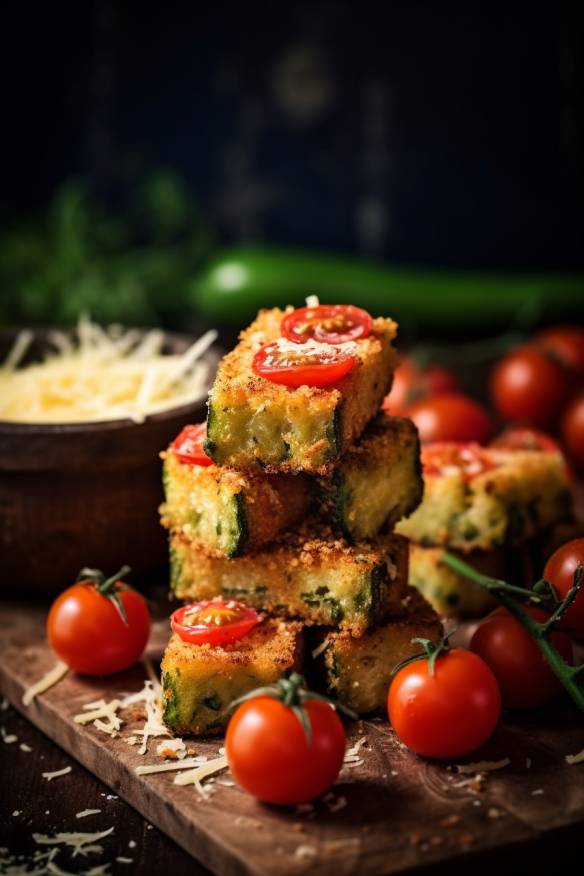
358	671
255	422
478	498
377	482
451	594
200	682
227	512
309	574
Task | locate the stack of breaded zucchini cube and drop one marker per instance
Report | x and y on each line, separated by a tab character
486	504
295	517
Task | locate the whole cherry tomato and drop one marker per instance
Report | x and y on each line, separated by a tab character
529	386
412	382
451	417
566	343
273	757
188	445
99	626
559	571
214	621
303	366
573	431
525	678
327	323
448	713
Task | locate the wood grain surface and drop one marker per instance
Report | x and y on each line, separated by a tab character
401	812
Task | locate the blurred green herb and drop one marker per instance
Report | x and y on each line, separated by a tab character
131	263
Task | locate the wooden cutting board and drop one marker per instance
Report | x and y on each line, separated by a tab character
390	813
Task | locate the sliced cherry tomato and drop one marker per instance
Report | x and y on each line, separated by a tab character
525	679
447	714
470	460
411	383
98	626
213	622
188	445
559	571
451	417
327	323
566	343
529	386
306	367
271	757
573	431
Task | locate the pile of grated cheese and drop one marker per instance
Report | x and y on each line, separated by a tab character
107	374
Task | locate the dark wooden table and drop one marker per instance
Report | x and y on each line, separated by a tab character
30	804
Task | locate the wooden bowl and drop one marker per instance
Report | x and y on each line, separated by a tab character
83	494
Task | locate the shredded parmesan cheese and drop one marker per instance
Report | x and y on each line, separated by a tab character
186	763
199	774
482	766
56	774
85	812
82	843
107	374
575	758
312	301
43	684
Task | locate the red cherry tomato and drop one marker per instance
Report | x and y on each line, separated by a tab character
270	756
448	714
529	386
566	343
525	679
188	445
87	631
411	383
559	571
213	622
573	431
451	417
327	323
304	367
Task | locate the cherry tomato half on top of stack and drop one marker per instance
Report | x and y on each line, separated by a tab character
327	324
303	367
99	625
213	621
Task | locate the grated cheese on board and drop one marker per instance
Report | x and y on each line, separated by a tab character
43	684
482	766
186	763
108	374
199	774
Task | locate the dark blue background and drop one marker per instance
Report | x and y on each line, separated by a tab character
439	133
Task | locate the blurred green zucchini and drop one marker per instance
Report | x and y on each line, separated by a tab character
238	282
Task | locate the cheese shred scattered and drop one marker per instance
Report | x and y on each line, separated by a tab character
82	843
56	774
575	758
199	774
188	763
482	766
43	684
